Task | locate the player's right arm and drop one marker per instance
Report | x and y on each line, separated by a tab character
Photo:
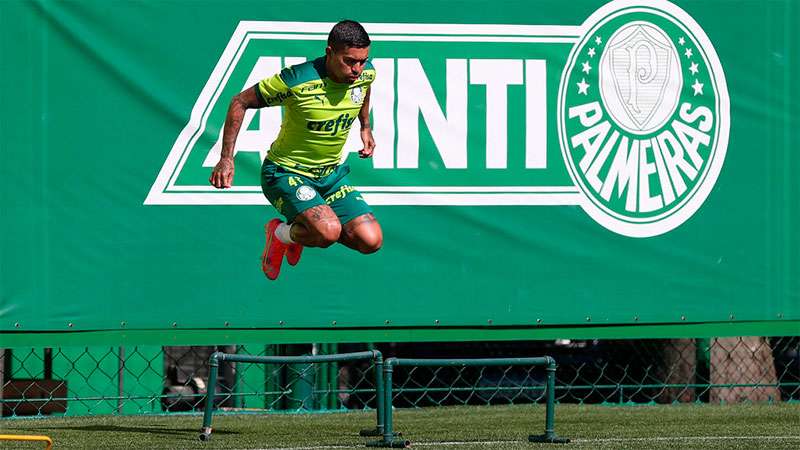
222	175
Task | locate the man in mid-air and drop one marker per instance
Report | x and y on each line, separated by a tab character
302	175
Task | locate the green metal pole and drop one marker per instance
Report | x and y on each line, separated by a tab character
213	367
550	407
384	408
333	379
549	435
388	434
322	381
238	400
379	400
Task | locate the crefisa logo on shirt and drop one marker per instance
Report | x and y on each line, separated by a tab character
634	130
643	118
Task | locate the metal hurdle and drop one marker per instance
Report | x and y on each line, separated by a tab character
389	436
216	358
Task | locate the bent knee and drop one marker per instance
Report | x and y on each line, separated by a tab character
370	242
328	232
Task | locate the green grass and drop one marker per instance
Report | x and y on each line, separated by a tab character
464	427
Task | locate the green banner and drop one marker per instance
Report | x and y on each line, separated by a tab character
537	165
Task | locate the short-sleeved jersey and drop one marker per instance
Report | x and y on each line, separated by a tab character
318	112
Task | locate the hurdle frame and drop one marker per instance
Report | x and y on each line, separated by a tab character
389	436
217	357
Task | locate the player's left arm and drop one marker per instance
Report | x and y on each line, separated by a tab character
366	128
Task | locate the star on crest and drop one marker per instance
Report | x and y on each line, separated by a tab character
698	87
586	67
681	41
688	53
693	68
598	40
583	87
591	52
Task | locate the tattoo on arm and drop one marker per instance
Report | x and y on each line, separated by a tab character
245	100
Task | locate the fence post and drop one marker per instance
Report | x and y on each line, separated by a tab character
211	389
388	433
120	379
380	401
549	435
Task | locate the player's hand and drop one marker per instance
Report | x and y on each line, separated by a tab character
369	143
222	175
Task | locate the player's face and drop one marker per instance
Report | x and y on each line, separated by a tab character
346	65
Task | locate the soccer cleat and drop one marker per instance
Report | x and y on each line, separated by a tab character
274	249
293	252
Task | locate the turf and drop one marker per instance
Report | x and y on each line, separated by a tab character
502	427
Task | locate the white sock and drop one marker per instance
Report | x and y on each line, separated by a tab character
283	233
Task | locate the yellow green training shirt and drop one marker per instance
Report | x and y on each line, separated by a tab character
318	112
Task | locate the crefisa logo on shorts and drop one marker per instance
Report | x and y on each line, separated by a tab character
643	117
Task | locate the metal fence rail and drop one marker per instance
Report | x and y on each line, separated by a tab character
166	380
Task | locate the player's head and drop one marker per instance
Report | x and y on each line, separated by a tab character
347	51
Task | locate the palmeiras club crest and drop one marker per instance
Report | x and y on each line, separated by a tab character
643	117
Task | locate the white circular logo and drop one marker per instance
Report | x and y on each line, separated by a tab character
643	116
356	95
305	193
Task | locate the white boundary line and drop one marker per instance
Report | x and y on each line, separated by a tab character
390	198
577	441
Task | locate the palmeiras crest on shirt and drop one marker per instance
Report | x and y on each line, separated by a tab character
357	95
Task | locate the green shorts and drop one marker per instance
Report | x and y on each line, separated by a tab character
291	193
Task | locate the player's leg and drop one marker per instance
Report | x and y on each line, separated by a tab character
316	227
363	234
296	197
360	230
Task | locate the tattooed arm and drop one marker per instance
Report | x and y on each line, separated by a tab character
222	175
366	128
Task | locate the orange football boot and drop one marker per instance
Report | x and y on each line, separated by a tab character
274	250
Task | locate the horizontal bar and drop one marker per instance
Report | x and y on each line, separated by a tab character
329	335
537	361
305	359
412	390
669	386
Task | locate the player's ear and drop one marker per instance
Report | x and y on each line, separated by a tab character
329	51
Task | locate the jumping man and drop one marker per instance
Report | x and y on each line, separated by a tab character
302	176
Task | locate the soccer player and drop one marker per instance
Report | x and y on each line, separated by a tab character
302	176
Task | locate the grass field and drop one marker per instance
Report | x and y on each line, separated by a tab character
501	427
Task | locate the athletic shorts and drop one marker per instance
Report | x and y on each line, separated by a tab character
291	192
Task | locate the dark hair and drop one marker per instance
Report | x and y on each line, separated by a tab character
348	33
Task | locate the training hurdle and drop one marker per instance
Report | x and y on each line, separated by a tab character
217	357
48	443
389	436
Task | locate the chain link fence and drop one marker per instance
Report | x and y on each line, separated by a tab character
171	380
